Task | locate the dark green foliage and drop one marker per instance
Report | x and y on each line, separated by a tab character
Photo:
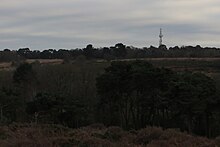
45	107
9	103
43	102
133	88
146	135
114	133
137	94
24	73
9	56
193	96
25	82
50	108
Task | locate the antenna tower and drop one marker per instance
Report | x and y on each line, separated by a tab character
161	38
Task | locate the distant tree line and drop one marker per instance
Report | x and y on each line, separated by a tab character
119	51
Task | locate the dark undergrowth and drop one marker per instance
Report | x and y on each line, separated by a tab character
97	135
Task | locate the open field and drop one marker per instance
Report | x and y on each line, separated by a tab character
5	65
174	59
45	61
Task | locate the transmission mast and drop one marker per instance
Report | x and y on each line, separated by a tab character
161	38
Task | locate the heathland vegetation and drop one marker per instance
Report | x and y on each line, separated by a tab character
145	98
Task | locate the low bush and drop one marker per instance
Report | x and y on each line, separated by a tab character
148	134
29	135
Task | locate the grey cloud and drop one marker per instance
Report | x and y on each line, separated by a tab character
75	23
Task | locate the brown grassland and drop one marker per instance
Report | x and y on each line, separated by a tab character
97	135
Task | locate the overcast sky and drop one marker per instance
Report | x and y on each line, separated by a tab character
43	24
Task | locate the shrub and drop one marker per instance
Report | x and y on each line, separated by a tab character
217	140
169	133
26	135
114	133
147	135
3	134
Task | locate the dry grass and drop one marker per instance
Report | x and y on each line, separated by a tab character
27	135
172	59
9	65
45	61
5	65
